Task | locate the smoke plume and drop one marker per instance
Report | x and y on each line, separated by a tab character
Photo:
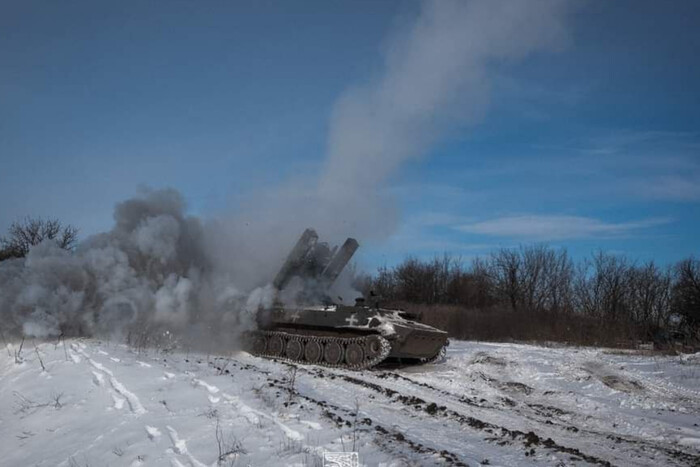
158	266
150	270
435	79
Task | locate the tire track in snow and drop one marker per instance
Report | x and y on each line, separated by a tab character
152	432
435	410
252	415
131	398
73	356
387	438
116	398
180	447
673	453
212	389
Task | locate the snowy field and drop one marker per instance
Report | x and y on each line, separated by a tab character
104	404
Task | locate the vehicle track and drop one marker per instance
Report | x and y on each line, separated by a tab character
348	418
547	419
370	349
497	434
541	414
550	415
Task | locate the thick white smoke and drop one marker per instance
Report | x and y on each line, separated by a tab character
435	79
158	266
150	270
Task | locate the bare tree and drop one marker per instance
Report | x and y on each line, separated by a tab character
414	281
558	285
603	286
482	293
383	285
650	295
507	270
686	293
22	235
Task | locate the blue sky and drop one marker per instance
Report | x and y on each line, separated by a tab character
594	145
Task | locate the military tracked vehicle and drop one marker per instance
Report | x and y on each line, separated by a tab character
318	330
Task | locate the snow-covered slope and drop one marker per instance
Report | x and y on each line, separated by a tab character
100	403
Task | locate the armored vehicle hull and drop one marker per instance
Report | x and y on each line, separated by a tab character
355	337
335	335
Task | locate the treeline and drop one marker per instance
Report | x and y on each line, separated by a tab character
540	293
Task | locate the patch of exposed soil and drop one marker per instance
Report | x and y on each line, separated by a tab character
486	359
515	387
621	384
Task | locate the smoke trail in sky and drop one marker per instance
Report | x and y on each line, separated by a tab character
435	78
159	266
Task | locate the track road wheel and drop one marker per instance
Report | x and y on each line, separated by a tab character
259	344
295	349
354	354
275	346
332	352
313	351
372	346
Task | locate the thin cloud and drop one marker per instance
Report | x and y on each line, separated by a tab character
652	165
432	233
621	141
543	227
671	188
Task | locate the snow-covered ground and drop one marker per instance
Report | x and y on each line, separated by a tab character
100	403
